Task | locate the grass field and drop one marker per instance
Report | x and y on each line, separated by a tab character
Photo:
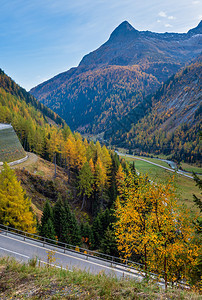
185	187
190	168
157	161
28	281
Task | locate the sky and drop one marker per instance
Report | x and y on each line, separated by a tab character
42	38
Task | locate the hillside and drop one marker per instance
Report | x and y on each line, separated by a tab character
172	125
27	280
31	120
9	86
115	78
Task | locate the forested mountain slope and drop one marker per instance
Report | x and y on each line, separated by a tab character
31	120
115	78
101	187
86	179
172	126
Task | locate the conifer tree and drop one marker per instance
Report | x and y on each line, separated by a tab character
85	183
47	227
87	234
75	231
108	243
57	216
97	231
70	231
150	223
14	204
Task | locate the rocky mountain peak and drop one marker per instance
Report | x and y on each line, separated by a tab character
196	30
124	30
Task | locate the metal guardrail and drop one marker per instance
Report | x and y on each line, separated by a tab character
115	261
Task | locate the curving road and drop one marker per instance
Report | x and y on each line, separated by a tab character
24	250
152	163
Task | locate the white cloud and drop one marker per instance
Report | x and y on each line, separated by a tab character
168	25
162	14
158	21
171	18
196	2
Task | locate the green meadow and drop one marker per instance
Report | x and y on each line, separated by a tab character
185	187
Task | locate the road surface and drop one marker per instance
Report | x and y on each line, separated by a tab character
14	245
152	163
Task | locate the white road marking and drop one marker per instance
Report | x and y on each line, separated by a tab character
64	254
14	252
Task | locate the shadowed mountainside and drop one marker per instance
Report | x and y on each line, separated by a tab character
116	77
172	125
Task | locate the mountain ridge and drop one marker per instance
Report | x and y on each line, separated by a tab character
172	124
130	65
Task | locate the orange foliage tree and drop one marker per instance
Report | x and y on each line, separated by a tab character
151	225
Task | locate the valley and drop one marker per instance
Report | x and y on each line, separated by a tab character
112	145
184	185
116	78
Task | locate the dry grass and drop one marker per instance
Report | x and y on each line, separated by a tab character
25	281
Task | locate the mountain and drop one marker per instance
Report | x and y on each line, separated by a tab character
172	124
31	120
116	77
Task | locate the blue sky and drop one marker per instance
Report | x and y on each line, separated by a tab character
41	38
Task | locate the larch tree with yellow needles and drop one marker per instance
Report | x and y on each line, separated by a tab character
152	225
14	204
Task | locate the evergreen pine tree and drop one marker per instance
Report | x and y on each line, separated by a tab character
57	216
108	243
97	232
49	230
105	219
85	183
47	222
72	228
113	189
87	234
65	236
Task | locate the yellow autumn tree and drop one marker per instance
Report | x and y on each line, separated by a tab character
80	154
14	204
151	225
106	159
100	176
92	167
53	143
69	151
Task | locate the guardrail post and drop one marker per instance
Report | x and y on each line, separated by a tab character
112	261
6	230
64	248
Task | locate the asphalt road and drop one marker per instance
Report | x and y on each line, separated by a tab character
152	163
24	250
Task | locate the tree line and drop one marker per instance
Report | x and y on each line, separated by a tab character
144	223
